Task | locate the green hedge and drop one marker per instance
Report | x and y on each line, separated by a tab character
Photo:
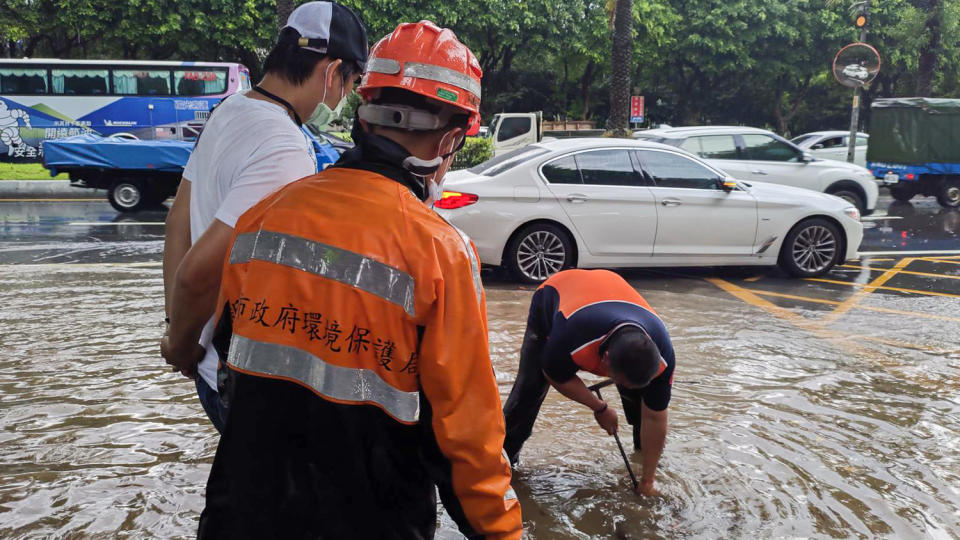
475	150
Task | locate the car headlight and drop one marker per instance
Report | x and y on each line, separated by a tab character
852	213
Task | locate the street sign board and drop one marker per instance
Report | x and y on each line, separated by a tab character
636	109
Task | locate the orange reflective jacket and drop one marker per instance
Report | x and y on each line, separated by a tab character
368	308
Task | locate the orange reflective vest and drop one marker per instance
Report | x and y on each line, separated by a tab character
343	287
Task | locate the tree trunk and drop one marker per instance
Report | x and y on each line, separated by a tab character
586	82
620	69
930	50
284	9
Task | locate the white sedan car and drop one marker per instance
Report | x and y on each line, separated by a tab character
833	145
757	154
607	203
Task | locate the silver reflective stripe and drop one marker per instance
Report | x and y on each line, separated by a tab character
510	495
336	382
383	65
327	261
474	264
442	74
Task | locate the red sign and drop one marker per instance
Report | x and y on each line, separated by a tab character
200	76
636	109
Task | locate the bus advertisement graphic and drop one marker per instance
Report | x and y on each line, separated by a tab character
42	100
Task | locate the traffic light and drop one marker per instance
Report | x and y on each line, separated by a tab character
860	11
860	20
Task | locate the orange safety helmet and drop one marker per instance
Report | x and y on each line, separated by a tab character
428	60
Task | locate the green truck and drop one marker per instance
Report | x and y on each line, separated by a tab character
915	147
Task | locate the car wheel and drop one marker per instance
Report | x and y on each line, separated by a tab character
851	197
811	248
127	196
902	193
538	251
949	194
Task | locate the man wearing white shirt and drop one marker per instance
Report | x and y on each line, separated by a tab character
251	145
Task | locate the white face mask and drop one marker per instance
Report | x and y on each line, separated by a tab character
322	114
435	181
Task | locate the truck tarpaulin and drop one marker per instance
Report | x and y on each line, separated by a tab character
915	131
116	153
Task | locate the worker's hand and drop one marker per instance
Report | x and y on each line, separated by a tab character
185	361
607	418
645	487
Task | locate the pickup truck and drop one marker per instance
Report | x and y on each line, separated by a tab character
136	173
915	148
511	131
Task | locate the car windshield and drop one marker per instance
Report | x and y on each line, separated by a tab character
800	140
508	161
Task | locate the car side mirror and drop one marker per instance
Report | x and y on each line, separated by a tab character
807	157
727	184
817	147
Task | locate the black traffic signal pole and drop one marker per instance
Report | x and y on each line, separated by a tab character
864	10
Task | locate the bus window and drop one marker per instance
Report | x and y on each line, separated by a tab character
23	81
141	82
79	82
200	82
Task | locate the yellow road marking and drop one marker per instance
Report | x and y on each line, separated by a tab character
52	200
898	289
866	308
939	260
841	340
908	272
862	293
754	278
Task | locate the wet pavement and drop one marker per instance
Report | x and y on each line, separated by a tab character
827	407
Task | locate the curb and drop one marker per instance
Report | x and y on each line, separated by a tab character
47	189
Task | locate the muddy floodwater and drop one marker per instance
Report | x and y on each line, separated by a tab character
823	409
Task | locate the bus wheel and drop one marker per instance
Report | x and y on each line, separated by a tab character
127	195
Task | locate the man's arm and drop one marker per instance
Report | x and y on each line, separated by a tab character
465	419
194	295
577	391
176	243
653	437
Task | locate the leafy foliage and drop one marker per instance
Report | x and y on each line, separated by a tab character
756	62
475	150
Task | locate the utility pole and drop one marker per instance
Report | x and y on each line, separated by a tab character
862	10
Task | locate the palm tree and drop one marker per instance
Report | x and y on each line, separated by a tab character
620	69
284	9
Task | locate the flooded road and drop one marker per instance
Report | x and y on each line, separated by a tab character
801	408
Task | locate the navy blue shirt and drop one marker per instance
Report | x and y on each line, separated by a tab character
576	310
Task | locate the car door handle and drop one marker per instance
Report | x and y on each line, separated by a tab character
671	202
576	198
758	171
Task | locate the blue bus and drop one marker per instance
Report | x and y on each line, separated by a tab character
43	99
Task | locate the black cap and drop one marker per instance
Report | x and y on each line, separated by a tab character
330	29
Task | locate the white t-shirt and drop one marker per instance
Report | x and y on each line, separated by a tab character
249	148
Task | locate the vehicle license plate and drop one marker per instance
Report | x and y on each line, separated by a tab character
891	178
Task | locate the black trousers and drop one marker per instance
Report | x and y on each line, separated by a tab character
530	389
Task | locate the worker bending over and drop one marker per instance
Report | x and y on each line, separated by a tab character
595	321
